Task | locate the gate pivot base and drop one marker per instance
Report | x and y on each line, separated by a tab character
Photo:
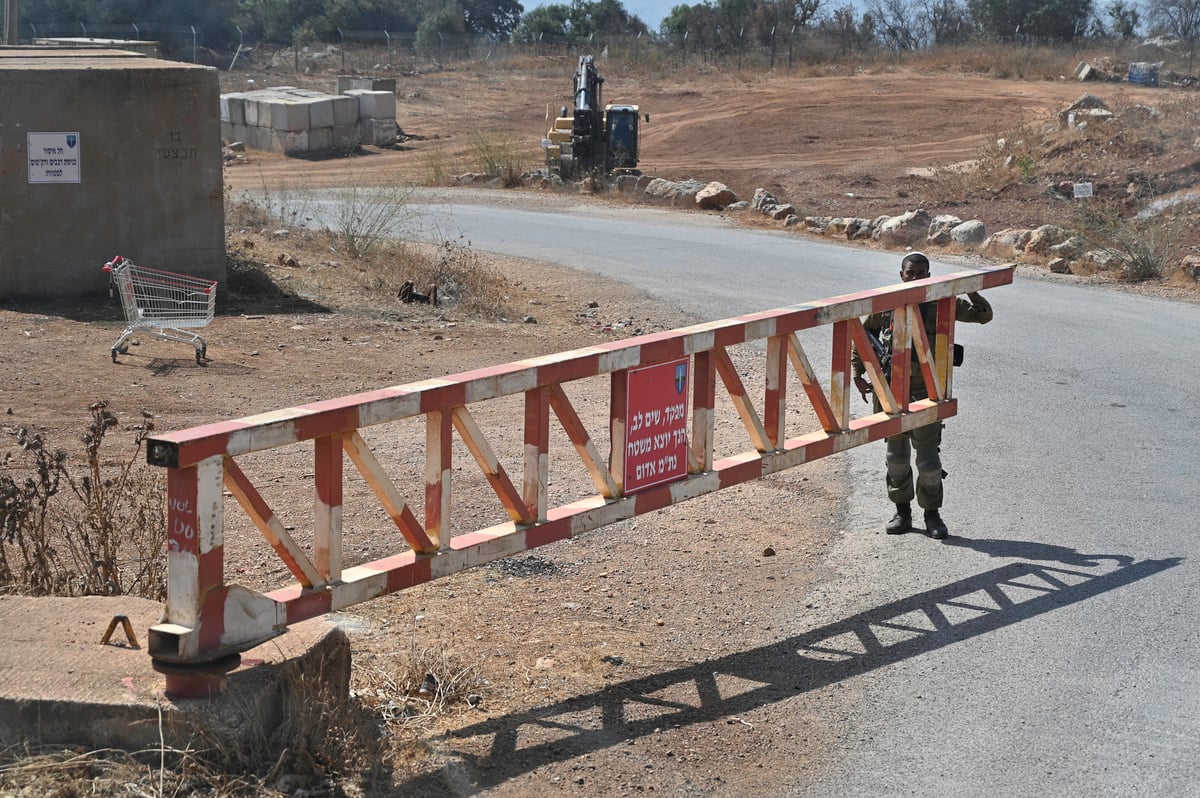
203	680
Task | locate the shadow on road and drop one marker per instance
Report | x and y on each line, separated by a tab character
738	683
1026	550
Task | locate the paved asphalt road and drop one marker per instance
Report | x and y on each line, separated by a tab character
1051	646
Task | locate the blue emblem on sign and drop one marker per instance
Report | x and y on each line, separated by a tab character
680	377
71	140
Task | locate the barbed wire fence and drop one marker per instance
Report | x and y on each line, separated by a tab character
349	50
178	42
363	50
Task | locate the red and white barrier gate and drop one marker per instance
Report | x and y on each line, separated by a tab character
208	619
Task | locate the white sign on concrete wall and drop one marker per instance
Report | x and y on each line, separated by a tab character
53	157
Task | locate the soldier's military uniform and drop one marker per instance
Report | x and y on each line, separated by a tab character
925	440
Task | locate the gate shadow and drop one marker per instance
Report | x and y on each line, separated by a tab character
872	639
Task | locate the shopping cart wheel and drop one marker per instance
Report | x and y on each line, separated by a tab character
201	353
114	354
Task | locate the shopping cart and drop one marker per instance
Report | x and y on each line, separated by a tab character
163	304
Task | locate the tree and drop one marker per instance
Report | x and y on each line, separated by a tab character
1177	18
675	24
551	22
899	23
947	21
497	18
1055	19
843	25
1124	18
805	11
603	17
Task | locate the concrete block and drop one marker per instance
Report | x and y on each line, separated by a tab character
379	132
290	115
347	82
320	113
233	109
259	138
320	138
345	110
374	104
289	142
62	689
346	137
250	110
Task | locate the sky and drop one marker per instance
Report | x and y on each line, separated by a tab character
652	12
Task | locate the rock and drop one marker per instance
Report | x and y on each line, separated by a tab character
1059	266
678	193
1006	243
661	189
1104	258
762	198
940	227
626	184
781	211
688	189
1189	267
903	230
968	234
791	221
715	196
1070	249
817	224
1045	237
740	205
860	229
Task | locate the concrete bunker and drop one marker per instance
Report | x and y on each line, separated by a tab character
106	152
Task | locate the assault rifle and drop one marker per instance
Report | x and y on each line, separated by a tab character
882	354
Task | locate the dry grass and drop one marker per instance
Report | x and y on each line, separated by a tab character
96	529
362	261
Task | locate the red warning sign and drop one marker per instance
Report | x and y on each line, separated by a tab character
656	413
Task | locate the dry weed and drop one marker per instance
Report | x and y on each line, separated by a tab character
409	694
99	532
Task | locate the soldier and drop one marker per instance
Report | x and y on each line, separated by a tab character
925	440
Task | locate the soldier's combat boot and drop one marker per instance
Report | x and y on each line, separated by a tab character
935	525
902	521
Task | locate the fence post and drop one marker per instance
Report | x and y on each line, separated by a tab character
239	49
10	22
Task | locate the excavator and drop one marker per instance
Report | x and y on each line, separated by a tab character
594	138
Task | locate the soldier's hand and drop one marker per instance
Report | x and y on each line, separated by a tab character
863	387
